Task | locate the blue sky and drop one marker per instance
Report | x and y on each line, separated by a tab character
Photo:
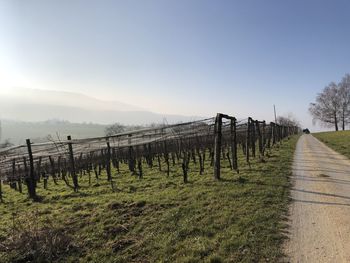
185	56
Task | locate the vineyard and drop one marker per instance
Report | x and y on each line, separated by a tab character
212	139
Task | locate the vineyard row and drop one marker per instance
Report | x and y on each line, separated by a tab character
213	138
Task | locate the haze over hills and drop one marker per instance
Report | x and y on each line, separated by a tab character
25	114
17	131
39	105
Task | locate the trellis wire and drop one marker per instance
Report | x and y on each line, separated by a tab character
63	159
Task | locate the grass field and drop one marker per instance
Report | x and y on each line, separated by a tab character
338	141
156	218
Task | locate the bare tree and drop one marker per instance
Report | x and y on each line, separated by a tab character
288	120
327	107
344	97
114	129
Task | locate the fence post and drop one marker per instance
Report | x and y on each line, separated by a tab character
13	181
31	184
108	162
260	139
71	156
273	133
248	141
234	144
217	145
279	133
185	167
166	157
253	138
263	137
131	158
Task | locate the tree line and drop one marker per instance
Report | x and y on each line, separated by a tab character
332	106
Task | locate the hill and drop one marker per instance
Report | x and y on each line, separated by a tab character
338	141
35	105
18	131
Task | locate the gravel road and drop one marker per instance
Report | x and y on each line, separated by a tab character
320	211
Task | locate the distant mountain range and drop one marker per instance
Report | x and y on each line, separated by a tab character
40	105
17	131
25	114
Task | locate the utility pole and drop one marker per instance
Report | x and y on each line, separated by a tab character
274	109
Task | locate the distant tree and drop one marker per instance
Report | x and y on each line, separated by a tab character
289	120
344	97
327	107
114	129
6	144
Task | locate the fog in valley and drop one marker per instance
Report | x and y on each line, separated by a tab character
42	114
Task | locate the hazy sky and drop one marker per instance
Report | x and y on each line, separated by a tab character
179	56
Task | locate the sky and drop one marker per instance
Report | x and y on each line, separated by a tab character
190	57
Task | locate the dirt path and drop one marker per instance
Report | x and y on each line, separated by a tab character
320	211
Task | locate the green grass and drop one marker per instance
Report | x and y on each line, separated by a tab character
338	141
160	219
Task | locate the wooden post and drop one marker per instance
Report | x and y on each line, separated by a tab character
260	139
71	156
247	141
131	158
253	139
273	133
59	166
13	182
26	172
234	144
280	132
31	184
150	155
20	182
166	156
217	145
263	137
185	162
108	162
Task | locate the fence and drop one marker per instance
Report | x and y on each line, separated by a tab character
220	137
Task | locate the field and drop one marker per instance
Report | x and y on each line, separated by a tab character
157	218
338	141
